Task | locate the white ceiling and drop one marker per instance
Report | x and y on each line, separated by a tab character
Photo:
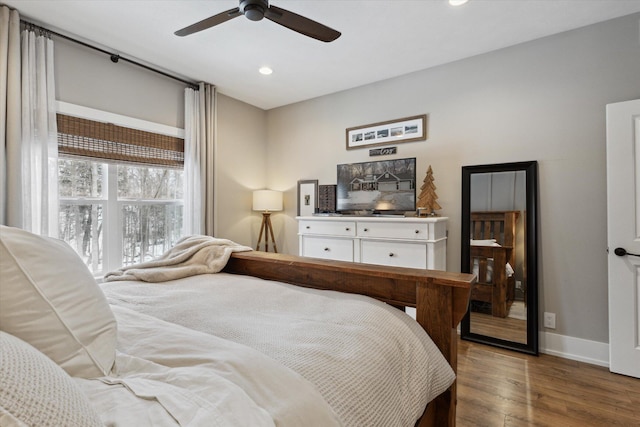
380	39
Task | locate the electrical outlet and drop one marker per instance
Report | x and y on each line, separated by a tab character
549	320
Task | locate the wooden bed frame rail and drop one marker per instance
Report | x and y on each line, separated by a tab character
441	300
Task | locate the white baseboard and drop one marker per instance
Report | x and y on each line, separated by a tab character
594	352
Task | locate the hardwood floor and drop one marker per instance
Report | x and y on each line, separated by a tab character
504	388
504	328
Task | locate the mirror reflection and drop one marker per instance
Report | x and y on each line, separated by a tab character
498	246
497	249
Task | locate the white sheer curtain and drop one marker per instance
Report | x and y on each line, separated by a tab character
10	110
39	136
199	144
192	171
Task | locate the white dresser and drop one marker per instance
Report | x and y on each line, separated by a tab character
396	241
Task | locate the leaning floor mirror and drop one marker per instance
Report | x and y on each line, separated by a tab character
499	246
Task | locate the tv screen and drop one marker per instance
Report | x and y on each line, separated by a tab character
381	186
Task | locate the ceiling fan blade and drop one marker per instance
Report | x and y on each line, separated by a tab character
209	22
300	24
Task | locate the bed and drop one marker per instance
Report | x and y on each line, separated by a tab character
493	243
140	361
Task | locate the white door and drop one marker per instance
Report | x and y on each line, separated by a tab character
623	226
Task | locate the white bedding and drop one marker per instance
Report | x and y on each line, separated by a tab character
373	364
168	375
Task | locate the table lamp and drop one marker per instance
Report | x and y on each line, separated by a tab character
267	201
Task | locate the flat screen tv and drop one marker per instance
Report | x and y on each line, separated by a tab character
387	186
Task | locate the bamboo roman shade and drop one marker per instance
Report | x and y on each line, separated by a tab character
89	138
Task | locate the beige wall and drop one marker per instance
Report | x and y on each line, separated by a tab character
544	100
241	153
88	78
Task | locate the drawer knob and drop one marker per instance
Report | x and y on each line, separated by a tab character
347	228
366	229
417	231
391	254
326	249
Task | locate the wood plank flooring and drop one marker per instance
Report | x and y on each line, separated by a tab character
503	388
504	328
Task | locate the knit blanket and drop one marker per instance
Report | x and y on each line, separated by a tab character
192	255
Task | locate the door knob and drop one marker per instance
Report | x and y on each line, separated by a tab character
623	252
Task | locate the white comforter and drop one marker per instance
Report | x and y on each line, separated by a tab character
372	363
169	375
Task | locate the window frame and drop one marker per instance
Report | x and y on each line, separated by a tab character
113	206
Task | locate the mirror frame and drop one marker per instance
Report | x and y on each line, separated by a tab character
531	170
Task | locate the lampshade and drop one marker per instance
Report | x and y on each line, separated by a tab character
267	200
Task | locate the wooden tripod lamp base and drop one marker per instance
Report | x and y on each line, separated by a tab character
267	201
266	229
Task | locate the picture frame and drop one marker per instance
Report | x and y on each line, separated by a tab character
407	129
327	198
307	197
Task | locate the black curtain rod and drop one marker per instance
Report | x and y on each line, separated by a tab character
114	56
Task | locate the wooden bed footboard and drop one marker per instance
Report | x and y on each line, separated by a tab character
441	300
501	226
499	290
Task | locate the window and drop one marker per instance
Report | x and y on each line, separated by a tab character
113	212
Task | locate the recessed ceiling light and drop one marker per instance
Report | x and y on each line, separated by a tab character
457	2
265	70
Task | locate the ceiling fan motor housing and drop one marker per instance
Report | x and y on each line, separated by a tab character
254	9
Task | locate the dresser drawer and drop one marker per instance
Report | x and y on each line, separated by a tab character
397	254
333	228
401	242
393	230
327	248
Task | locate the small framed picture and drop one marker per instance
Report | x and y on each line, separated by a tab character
307	197
326	198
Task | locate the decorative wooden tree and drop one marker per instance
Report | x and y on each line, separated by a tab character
427	199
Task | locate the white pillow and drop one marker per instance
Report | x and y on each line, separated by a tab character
485	242
37	392
49	299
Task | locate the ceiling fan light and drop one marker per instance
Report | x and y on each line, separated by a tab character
254	12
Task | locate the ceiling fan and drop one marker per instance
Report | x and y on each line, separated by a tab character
255	10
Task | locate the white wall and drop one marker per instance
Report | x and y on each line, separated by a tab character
543	100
